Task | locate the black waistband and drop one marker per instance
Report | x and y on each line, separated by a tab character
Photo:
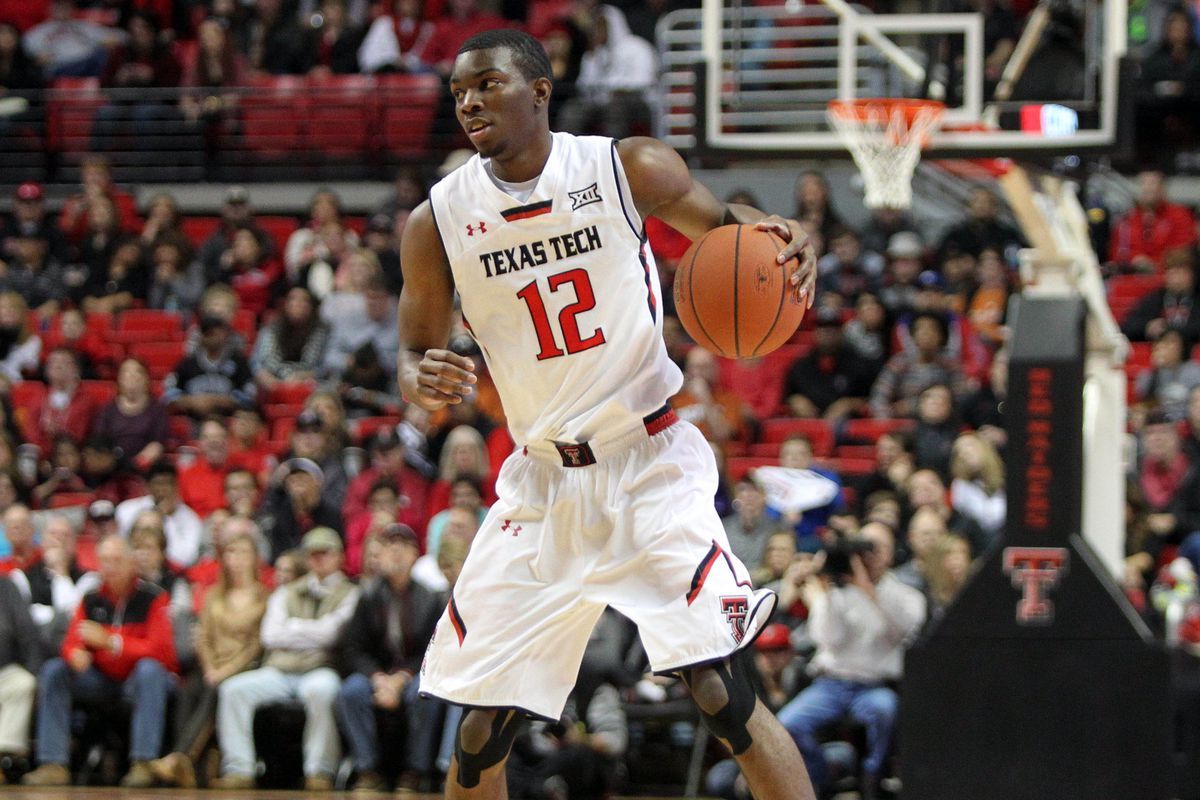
580	454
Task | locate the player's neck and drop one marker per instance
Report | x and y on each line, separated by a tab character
527	163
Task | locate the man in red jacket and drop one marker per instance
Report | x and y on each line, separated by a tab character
119	645
1152	227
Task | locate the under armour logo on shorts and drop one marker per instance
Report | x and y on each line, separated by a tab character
508	526
481	227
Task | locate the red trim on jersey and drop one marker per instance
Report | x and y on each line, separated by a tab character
701	574
456	620
660	420
525	212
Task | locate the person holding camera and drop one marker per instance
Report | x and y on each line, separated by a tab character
860	617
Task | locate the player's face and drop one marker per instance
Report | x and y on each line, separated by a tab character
495	104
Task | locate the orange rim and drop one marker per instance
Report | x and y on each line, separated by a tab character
866	109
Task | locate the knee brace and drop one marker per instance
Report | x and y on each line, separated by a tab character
489	753
726	713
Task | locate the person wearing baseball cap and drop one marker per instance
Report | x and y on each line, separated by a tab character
29	219
382	646
296	505
300	632
831	380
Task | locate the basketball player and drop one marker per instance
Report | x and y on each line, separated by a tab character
608	500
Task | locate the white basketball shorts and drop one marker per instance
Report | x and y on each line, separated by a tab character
636	530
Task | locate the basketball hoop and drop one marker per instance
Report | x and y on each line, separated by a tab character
886	137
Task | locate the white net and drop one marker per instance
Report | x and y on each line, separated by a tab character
886	139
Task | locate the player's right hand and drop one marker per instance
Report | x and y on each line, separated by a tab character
442	378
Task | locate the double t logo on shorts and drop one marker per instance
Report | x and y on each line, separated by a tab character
734	609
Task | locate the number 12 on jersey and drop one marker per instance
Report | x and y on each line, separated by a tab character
585	300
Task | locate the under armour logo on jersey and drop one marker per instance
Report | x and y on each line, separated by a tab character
584	197
734	609
508	526
482	228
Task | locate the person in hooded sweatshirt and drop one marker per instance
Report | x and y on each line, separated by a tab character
615	78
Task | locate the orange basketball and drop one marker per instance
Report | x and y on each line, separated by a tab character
731	295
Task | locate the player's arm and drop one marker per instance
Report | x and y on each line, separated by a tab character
429	374
662	186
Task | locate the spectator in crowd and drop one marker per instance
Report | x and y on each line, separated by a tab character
30	219
20	660
382	237
250	269
905	255
778	555
908	373
949	567
336	41
301	626
394	40
461	527
883	225
322	441
847	270
362	335
977	490
248	445
1169	87
183	528
937	428
861	625
135	70
64	409
963	345
289	566
1171	376
464	454
68	47
95	354
989	297
749	526
983	409
215	379
118	646
164	221
20	346
408	187
118	282
615	76
329	409
47	577
719	413
831	381
227	643
202	483
33	272
925	489
276	44
1152	228
175	282
388	464
464	19
982	228
957	269
61	474
102	473
1172	306
893	466
236	214
212	74
382	646
295	506
96	182
868	333
814	203
134	420
382	508
205	573
925	528
19	534
292	347
148	540
796	452
314	250
466	491
1191	436
1163	470
219	301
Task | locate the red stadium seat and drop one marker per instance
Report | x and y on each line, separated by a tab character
1139	356
159	357
101	392
817	431
26	395
1133	287
245	323
280	229
290	392
273	114
179	430
736	468
198	229
364	428
341	112
71	103
148	325
408	104
274	411
856	451
869	430
847	467
70	500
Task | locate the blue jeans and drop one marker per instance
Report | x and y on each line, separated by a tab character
828	700
146	689
355	709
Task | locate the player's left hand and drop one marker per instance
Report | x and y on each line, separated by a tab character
799	249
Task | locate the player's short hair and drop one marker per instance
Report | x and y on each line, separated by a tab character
527	52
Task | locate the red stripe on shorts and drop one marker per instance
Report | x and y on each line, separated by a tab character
701	574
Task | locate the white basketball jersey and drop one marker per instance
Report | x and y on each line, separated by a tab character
561	292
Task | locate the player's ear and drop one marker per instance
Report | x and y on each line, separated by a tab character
542	88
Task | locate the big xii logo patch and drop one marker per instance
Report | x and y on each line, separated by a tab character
584	197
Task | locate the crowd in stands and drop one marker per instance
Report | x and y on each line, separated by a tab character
200	428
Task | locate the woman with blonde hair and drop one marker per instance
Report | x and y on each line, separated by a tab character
463	453
977	490
947	567
227	643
